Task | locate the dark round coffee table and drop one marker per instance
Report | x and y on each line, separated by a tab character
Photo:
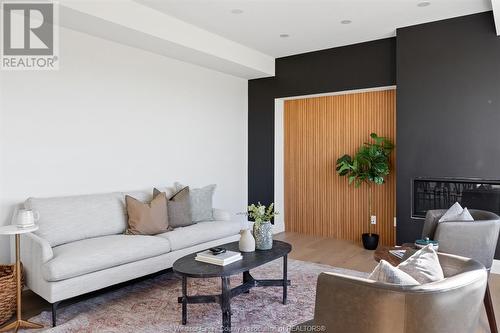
188	267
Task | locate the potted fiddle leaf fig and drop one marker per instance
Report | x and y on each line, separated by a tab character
370	165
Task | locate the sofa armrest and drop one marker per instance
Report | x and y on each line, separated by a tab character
35	251
221	215
34	247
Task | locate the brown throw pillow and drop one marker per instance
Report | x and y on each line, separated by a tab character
178	208
147	218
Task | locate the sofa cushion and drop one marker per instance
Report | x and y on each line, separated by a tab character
181	238
68	219
95	254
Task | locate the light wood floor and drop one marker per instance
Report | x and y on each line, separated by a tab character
339	253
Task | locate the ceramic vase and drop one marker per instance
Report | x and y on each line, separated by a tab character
247	242
263	233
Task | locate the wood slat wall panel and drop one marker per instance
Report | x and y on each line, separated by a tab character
318	131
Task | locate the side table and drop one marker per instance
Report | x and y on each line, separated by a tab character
382	252
18	323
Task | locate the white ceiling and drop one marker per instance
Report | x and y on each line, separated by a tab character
311	24
131	23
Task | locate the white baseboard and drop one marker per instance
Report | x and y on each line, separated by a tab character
495	268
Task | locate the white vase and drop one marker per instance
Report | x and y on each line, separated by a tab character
247	242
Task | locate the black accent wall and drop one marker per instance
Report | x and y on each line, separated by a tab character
448	103
448	106
357	66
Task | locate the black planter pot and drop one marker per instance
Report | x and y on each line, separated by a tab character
370	241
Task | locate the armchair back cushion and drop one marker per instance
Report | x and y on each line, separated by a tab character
476	240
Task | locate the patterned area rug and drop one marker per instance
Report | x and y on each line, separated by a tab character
151	305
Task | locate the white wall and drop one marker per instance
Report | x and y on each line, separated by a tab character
117	118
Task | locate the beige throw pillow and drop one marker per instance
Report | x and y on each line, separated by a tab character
147	218
385	272
423	266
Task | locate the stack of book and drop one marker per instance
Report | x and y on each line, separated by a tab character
222	259
398	253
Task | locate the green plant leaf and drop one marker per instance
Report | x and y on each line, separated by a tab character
370	164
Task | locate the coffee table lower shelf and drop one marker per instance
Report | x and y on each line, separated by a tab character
224	299
187	267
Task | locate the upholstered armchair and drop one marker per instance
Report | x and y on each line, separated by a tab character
476	240
347	304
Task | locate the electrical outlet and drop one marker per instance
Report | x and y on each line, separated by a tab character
395	221
373	219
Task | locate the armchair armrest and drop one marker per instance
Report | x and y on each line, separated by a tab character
352	304
221	215
35	251
476	240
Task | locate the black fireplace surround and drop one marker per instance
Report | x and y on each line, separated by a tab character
441	193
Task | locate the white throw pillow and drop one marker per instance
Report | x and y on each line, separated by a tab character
423	266
465	216
385	272
456	213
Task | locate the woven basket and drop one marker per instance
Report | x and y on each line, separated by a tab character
8	291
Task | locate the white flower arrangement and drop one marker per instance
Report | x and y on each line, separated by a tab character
260	213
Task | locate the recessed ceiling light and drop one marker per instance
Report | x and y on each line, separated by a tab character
346	21
237	11
424	4
284	35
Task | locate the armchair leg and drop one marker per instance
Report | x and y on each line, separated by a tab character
488	304
54	313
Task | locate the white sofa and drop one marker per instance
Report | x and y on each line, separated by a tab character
81	247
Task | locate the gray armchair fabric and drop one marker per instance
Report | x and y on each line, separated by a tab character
431	221
476	240
350	305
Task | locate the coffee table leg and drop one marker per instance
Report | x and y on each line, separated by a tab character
184	300
285	277
246	278
226	304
